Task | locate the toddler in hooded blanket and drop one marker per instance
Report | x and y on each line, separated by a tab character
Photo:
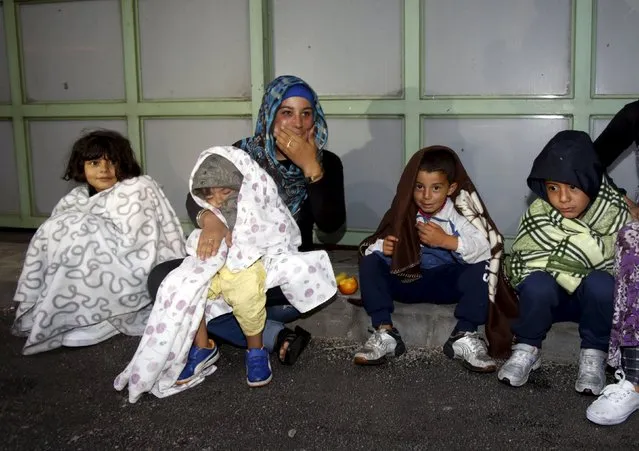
176	353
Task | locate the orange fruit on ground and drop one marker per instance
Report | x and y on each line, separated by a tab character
341	276
348	285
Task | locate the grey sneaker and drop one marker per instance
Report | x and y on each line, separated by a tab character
592	372
379	346
471	349
524	359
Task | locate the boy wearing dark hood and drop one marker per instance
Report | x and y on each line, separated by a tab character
562	259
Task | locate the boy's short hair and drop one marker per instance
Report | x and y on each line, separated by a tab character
98	144
439	161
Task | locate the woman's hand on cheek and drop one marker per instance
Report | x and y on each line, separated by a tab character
302	151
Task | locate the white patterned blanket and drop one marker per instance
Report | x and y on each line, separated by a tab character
264	229
86	268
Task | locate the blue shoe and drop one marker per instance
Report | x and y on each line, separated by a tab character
199	359
258	367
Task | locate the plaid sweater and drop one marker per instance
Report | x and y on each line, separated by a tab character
568	249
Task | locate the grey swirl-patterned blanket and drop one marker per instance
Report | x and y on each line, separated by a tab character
86	268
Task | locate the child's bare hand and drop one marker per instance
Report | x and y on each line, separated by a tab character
213	232
634	209
389	245
432	235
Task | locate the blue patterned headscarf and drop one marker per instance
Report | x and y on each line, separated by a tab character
261	146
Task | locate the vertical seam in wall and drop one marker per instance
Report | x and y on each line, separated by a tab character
18	123
582	69
411	76
130	38
258	40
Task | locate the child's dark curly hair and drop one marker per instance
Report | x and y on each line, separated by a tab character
99	144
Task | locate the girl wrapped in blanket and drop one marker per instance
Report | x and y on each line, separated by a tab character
84	275
175	352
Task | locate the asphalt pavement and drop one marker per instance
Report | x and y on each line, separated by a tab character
65	399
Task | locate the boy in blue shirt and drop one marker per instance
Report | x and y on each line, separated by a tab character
436	244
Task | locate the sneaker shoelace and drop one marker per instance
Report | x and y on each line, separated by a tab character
254	361
522	357
476	343
616	392
374	341
590	361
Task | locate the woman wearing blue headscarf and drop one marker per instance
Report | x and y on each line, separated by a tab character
288	143
289	139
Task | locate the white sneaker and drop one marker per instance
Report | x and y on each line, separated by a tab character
380	345
592	372
89	335
524	359
472	350
616	403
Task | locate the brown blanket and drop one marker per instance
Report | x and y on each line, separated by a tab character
399	221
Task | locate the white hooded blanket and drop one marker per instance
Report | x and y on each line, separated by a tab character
265	229
86	268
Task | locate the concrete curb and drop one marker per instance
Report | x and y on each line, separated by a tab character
423	325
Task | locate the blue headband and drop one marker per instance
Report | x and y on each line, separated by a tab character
299	90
